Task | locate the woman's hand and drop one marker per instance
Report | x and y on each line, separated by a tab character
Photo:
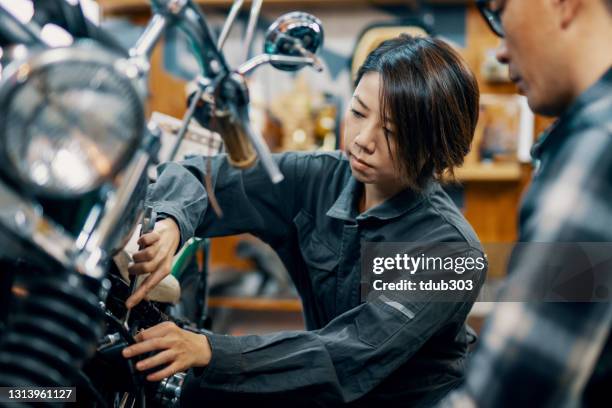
182	350
157	250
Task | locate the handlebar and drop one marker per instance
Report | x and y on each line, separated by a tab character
230	108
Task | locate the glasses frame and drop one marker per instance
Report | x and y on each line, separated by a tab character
492	17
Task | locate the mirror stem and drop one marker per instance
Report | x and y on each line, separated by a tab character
263	59
229	22
252	25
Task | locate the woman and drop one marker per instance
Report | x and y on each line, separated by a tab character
410	120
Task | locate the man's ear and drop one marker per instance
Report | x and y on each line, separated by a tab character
566	11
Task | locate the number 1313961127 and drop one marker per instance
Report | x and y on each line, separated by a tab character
37	394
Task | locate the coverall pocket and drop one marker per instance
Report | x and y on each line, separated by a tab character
378	321
317	254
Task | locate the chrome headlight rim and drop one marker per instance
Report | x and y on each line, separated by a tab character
17	73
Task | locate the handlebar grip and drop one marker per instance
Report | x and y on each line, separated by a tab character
237	144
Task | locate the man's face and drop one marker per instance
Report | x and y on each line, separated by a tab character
533	49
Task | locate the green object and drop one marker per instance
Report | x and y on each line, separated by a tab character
185	255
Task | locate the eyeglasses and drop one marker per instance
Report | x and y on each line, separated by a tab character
491	11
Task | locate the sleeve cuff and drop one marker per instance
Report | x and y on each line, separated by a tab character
165	211
224	366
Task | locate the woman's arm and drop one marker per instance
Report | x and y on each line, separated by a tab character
341	362
337	364
249	200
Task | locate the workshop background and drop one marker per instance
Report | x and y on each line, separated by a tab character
303	110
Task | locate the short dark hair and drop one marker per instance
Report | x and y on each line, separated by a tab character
432	98
609	4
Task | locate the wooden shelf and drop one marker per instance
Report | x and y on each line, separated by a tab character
489	172
256	304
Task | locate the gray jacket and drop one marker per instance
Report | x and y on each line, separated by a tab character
352	351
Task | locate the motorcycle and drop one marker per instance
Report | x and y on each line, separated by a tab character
75	150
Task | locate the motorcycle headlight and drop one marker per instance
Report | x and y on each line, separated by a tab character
70	118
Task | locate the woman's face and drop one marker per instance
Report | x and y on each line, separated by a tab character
368	142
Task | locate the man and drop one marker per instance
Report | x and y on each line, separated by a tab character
542	353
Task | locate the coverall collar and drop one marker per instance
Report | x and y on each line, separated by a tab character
345	207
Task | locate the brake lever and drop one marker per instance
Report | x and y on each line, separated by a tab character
258	142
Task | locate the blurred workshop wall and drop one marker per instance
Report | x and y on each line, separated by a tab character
302	110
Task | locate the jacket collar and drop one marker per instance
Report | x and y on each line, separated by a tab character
601	89
345	207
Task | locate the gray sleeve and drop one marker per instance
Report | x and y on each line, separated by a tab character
336	364
249	200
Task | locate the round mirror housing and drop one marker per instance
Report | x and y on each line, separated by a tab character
295	34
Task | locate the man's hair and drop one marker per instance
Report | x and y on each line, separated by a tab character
432	98
609	4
